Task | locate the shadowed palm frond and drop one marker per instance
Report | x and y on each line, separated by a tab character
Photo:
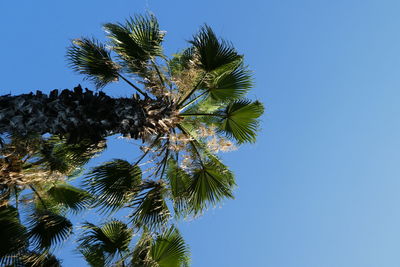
113	184
93	255
69	196
92	59
211	52
106	241
36	259
62	156
48	229
151	210
13	235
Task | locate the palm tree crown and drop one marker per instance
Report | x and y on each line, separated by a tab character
185	110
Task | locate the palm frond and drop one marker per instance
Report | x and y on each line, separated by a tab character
151	210
36	259
136	42
113	184
13	235
62	156
209	185
69	196
178	181
170	250
106	241
140	254
92	59
94	255
229	82
211	52
48	229
240	120
167	249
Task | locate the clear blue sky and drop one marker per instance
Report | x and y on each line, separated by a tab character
321	188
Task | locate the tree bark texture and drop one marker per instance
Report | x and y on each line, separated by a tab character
77	114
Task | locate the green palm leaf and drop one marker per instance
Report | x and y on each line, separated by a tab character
91	58
48	228
151	209
69	196
179	182
136	42
229	82
170	250
113	184
167	249
210	184
105	241
240	120
93	255
13	238
212	53
36	259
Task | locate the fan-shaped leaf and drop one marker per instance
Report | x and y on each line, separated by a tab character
212	53
170	250
136	42
179	182
229	82
240	120
210	184
48	228
69	196
13	238
151	209
105	241
36	259
114	184
91	58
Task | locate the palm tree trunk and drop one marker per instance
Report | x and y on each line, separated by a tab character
79	115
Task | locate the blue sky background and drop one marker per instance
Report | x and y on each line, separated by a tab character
321	187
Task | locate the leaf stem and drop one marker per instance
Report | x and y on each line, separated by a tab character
39	197
131	84
195	99
193	90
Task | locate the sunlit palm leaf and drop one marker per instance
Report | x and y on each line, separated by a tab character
114	184
151	209
13	238
69	196
212	53
91	58
136	42
240	120
48	229
167	249
229	82
209	186
170	250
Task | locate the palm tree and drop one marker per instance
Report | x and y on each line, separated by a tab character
185	110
